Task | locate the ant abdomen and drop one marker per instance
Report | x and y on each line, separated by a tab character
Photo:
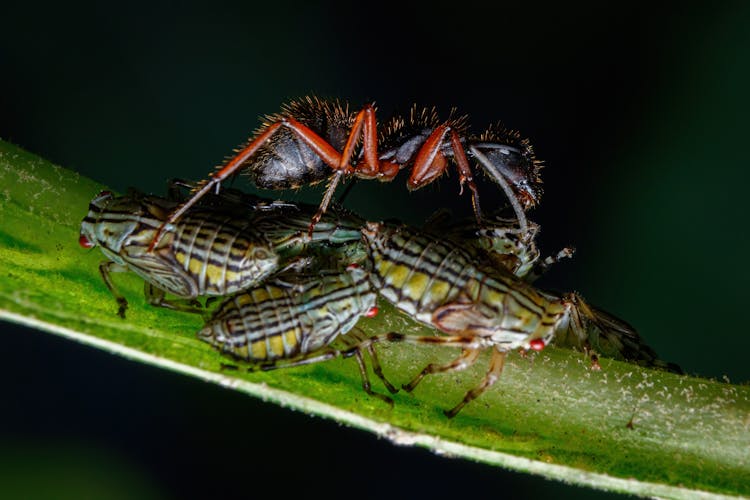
286	161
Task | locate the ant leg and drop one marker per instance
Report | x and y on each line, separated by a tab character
332	185
319	146
496	367
429	162
371	167
213	183
465	174
343	167
467	358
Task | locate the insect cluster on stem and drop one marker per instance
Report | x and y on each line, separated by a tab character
293	280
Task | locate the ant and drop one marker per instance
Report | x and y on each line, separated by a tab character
313	140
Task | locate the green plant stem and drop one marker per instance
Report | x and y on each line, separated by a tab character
623	428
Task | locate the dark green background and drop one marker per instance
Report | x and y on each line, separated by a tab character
640	113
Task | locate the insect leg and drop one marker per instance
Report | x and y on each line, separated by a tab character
332	184
105	268
363	343
543	266
465	174
429	162
372	167
356	351
366	379
496	367
378	370
156	297
320	147
216	178
467	358
344	166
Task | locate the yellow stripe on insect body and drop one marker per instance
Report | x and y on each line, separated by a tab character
223	252
282	320
276	346
227	244
451	289
258	352
441	284
486	307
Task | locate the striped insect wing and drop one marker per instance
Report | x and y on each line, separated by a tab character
612	337
279	320
222	252
336	303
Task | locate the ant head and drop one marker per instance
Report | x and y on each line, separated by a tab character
503	153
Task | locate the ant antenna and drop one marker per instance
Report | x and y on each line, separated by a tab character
489	167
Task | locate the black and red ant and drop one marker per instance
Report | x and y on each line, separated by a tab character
313	140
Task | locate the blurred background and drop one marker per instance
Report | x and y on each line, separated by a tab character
638	111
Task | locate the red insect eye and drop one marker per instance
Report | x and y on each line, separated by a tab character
352	266
85	242
372	312
536	344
